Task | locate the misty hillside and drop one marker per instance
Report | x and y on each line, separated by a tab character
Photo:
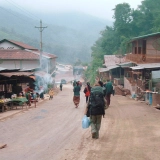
69	36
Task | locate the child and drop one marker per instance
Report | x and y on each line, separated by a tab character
51	94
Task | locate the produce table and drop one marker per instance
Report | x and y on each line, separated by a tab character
4	104
19	101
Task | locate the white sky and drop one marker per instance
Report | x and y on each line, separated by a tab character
98	8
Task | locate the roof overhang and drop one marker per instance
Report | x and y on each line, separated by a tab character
146	66
144	36
10	74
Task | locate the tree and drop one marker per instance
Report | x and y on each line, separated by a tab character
122	16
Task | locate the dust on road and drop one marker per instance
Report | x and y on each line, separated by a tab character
53	131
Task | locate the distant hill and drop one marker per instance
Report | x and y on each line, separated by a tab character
68	35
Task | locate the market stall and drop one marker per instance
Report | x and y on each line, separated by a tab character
13	83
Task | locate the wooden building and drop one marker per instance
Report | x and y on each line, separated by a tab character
144	53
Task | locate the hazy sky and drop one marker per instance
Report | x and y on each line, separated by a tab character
99	8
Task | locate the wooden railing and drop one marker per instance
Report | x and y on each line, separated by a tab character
143	58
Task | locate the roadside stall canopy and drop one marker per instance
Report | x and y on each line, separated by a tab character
15	77
8	70
10	74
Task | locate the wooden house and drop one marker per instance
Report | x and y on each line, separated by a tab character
144	52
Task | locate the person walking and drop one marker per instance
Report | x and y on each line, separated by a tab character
28	91
76	97
61	86
109	91
113	93
95	109
87	91
51	93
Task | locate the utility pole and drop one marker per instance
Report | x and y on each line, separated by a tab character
41	46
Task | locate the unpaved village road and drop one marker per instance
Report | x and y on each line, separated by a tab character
53	131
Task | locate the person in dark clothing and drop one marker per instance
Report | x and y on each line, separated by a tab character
95	118
87	91
76	97
109	91
61	86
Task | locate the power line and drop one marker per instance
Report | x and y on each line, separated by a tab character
12	13
23	10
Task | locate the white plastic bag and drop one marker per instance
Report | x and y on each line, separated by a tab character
85	122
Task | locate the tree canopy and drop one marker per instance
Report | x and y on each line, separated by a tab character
128	23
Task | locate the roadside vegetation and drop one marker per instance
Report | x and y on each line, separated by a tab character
128	23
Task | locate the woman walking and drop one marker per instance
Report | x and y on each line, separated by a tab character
87	91
76	97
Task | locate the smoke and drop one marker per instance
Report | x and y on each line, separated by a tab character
44	79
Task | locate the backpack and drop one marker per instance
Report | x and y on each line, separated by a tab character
96	104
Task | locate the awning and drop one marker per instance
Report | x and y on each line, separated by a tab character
10	74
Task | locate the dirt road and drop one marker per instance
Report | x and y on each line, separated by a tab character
52	131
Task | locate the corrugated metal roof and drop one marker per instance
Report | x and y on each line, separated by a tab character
146	66
150	65
10	74
108	68
144	36
136	67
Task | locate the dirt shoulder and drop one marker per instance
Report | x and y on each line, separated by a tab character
53	131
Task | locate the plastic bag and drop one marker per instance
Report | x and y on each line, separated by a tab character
85	122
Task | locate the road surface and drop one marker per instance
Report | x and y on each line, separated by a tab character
53	131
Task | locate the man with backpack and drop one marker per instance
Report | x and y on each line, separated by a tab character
108	90
95	109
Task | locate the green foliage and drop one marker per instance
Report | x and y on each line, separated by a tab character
128	23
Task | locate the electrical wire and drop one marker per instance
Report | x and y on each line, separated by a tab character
8	11
24	11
